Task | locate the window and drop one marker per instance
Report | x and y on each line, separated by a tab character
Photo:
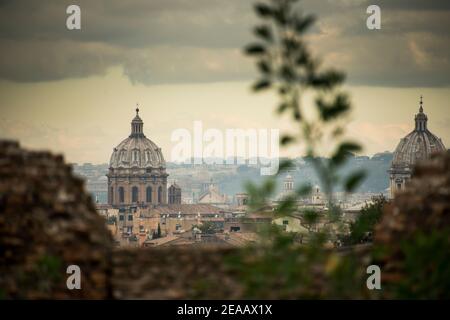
159	194
123	155
149	194
135	156
285	222
147	156
121	217
121	195
130	217
111	195
178	227
134	194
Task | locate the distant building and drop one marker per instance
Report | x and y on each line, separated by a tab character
180	218
291	223
288	188
252	222
241	199
174	194
213	196
137	173
417	145
317	197
288	184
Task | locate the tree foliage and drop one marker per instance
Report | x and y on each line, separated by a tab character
286	66
361	230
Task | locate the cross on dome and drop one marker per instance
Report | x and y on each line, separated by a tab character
421	104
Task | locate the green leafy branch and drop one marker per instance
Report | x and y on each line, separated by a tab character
287	66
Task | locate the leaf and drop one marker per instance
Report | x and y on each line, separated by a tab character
303	57
280	17
283	90
282	107
304	190
310	217
264	32
286	206
303	23
285	165
287	73
339	131
354	180
263	10
333	110
291	44
286	140
264	67
326	80
268	187
344	150
261	85
297	115
255	49
259	194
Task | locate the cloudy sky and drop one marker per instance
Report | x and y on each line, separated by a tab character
75	91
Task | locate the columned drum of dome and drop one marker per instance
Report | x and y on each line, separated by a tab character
417	145
137	170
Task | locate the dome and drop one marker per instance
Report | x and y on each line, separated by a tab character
137	150
418	144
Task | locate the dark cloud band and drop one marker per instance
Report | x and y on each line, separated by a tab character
168	41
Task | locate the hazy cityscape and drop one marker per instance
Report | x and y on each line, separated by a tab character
186	204
224	150
231	179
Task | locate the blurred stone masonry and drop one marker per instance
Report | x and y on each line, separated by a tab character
174	273
48	221
423	206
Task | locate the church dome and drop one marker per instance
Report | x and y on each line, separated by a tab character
418	144
137	151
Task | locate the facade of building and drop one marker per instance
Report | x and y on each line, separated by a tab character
419	144
291	224
137	172
212	195
174	194
317	197
242	199
180	218
288	188
288	184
